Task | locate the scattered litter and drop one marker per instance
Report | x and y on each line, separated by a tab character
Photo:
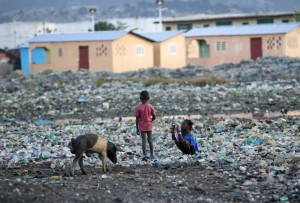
37	122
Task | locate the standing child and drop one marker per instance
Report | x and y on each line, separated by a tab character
145	115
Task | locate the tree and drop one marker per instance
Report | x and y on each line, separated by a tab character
297	15
103	26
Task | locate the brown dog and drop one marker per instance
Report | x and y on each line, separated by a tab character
88	144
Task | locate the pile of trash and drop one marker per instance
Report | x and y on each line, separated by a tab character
268	150
39	114
262	69
51	96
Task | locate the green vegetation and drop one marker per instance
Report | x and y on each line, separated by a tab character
61	81
297	15
202	81
196	81
104	26
100	81
30	84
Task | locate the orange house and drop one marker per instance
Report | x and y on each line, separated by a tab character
114	51
169	48
213	46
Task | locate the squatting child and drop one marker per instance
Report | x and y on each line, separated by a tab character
183	138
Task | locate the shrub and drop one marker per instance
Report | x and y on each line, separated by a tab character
202	81
30	84
101	80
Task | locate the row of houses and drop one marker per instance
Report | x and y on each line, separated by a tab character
114	51
119	51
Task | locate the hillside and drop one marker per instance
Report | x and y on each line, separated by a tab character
77	10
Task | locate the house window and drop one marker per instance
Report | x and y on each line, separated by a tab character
139	50
206	25
218	46
184	26
172	49
245	23
60	52
265	21
221	46
285	21
40	55
168	28
102	50
223	23
204	49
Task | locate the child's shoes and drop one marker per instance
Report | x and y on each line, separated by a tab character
144	158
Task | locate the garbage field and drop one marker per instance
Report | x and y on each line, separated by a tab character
246	123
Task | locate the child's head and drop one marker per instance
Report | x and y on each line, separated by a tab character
187	125
144	96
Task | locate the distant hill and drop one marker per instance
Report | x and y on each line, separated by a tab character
77	10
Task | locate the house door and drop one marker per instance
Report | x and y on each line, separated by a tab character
256	48
84	57
204	50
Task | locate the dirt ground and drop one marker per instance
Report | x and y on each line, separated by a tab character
147	183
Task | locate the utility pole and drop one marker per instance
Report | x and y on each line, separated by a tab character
92	12
160	9
15	39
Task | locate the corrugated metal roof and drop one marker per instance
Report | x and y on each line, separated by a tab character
243	30
75	37
24	45
160	36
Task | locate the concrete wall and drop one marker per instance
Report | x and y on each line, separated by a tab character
170	59
15	33
237	48
292	43
125	57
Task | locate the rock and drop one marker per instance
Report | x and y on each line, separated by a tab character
105	105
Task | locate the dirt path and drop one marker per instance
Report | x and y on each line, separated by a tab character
148	183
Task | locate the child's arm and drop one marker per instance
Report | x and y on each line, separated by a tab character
153	114
153	117
137	125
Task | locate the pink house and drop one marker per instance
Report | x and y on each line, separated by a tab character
212	46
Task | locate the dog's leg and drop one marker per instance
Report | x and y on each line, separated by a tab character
81	166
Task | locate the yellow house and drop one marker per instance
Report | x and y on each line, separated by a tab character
114	51
213	46
206	20
169	48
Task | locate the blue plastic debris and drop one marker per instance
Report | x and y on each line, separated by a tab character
41	122
254	142
81	98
